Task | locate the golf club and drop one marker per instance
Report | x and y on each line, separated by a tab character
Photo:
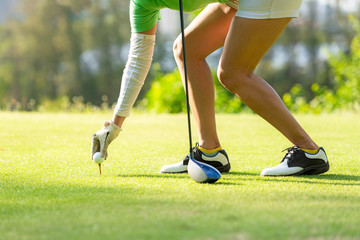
199	171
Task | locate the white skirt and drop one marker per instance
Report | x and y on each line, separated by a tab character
264	9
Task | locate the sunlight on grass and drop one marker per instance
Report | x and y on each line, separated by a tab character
50	189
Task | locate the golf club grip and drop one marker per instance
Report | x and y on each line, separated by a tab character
185	73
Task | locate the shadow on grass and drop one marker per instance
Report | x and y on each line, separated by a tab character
176	175
327	179
334	179
221	182
154	175
241	174
351	179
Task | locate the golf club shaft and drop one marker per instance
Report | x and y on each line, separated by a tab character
185	73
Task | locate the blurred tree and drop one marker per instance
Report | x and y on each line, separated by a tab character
51	49
300	56
62	48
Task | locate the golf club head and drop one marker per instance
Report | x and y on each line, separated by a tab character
202	173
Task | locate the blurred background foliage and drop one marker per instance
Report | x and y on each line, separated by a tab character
69	56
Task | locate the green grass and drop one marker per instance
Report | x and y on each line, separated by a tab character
50	189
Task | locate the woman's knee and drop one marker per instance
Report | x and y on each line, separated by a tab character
178	49
193	53
232	79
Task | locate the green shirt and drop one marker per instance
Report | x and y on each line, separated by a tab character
188	5
144	14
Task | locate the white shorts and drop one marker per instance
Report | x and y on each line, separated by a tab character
264	9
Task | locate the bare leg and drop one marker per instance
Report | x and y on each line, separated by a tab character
119	120
202	37
248	40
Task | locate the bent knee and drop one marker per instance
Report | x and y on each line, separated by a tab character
226	79
233	79
178	48
194	51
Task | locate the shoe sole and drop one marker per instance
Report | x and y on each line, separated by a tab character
174	172
225	168
313	170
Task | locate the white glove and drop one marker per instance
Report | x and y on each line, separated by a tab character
102	138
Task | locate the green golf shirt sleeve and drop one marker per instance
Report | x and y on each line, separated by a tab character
144	14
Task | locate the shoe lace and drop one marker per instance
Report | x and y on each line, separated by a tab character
290	153
195	149
187	157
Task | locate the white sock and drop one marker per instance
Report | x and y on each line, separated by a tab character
135	72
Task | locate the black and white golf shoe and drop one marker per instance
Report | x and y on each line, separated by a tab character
299	162
219	160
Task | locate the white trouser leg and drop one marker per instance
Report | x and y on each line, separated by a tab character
135	72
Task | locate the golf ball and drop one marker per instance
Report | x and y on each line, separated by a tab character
97	157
